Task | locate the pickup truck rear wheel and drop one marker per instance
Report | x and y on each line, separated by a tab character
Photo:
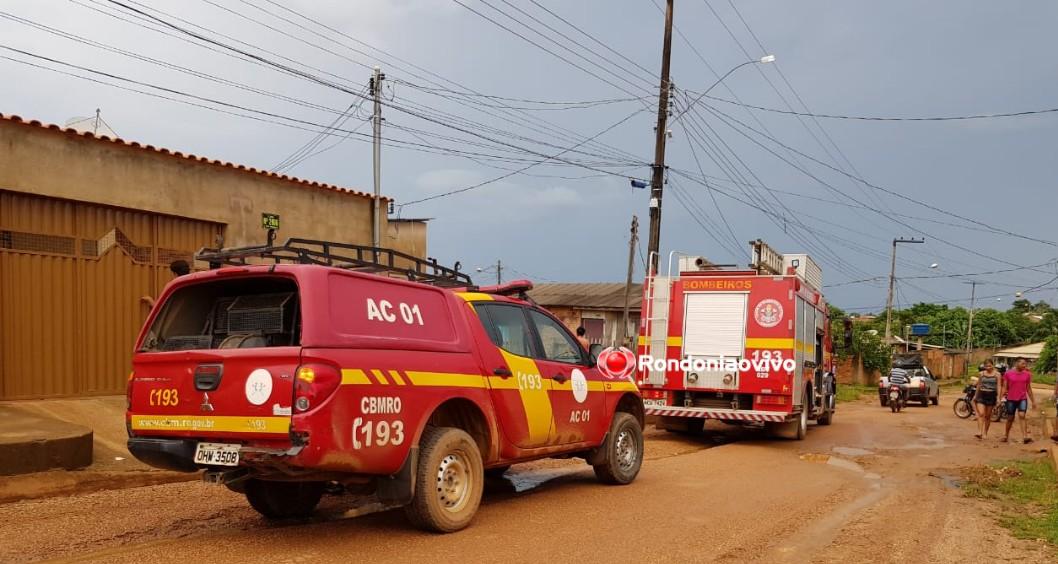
449	483
624	451
284	500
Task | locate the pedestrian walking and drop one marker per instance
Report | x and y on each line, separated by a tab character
985	397
1017	385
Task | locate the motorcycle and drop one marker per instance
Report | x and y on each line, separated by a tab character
964	406
897	397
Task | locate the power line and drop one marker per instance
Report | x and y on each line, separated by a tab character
514	172
886	118
726	119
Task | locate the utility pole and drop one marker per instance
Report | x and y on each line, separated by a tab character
892	282
499	272
376	120
623	333
661	134
970	325
95	128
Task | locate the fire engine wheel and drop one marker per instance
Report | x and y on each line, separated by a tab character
796	429
828	414
449	483
624	451
284	500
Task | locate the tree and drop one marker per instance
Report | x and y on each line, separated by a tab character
1048	361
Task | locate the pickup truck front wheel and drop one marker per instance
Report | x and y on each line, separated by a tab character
449	483
624	451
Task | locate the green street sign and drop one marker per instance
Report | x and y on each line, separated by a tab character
270	220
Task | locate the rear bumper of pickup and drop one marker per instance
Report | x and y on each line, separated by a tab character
168	454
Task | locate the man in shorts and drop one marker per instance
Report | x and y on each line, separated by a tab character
1017	386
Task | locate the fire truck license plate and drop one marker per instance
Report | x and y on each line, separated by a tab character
217	454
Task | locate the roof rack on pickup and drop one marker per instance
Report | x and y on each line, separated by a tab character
341	255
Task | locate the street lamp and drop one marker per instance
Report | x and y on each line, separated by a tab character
761	61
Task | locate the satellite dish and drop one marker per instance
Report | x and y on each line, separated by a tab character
94	124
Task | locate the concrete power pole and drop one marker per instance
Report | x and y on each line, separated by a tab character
892	282
499	272
970	325
376	120
658	178
623	333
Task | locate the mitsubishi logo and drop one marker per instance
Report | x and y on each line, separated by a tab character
206	406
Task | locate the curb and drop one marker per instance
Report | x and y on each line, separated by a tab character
56	483
64	446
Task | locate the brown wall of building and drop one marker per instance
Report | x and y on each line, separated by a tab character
71	166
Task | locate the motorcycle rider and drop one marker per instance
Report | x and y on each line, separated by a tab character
899	377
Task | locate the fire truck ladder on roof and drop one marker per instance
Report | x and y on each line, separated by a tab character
340	255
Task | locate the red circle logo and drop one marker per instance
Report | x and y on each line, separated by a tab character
616	362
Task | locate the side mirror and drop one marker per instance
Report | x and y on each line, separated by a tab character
593	354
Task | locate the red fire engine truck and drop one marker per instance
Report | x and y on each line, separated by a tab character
743	346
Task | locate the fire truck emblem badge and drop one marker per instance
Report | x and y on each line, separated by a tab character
768	313
616	363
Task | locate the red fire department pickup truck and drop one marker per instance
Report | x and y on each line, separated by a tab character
748	347
285	380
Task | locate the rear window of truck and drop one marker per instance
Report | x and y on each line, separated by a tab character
228	314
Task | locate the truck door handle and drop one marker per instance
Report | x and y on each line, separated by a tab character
559	378
502	373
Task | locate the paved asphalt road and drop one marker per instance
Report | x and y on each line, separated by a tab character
865	489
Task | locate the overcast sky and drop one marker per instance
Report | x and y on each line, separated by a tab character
566	219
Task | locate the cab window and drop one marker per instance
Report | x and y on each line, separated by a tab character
506	326
557	344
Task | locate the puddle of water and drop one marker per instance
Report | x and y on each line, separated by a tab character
529	479
954	482
846	464
852	451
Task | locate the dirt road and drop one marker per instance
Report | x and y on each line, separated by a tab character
860	490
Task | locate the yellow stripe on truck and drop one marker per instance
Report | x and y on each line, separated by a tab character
769	343
211	423
670	341
354	376
536	401
449	379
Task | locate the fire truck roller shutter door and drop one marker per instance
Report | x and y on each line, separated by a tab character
714	328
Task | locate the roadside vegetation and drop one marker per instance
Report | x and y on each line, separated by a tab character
853	392
1026	493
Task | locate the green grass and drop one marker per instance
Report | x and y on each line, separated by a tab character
1043	379
1027	494
851	392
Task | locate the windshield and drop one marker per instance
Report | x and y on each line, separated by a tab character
227	314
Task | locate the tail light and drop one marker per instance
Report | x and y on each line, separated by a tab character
922	385
654	394
313	384
771	400
128	390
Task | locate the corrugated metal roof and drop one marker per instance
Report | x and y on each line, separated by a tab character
188	156
1032	350
598	295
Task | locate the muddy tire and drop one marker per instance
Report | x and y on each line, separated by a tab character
962	408
828	414
624	451
284	500
449	481
936	399
795	430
